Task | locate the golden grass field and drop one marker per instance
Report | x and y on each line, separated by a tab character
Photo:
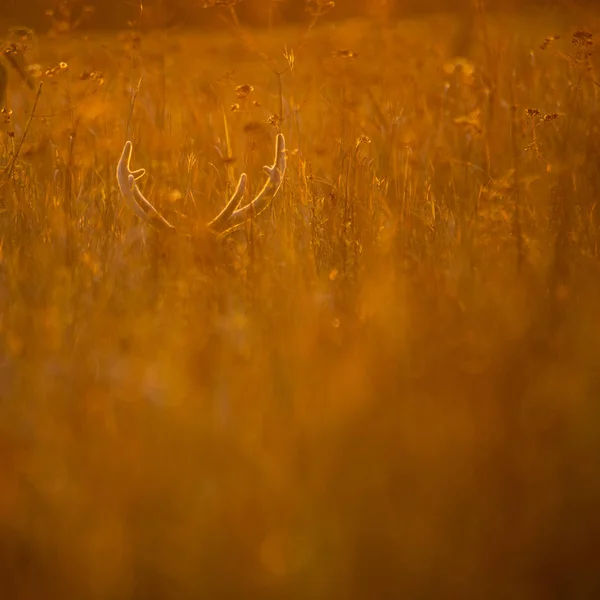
387	385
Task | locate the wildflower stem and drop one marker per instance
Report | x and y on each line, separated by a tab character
10	168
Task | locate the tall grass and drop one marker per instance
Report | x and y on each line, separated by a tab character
385	386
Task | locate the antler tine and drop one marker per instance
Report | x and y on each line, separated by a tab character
275	173
219	222
134	198
152	215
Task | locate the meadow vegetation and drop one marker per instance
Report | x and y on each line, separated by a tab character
386	385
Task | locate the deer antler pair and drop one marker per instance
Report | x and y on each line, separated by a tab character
229	218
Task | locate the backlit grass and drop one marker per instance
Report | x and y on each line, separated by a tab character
385	386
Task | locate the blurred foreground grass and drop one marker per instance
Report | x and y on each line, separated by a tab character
387	386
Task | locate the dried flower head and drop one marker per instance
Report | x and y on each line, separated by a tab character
6	115
243	91
582	38
344	53
547	41
15	56
317	8
550	117
532	112
96	76
62	67
223	3
362	139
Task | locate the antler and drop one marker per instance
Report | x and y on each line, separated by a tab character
230	218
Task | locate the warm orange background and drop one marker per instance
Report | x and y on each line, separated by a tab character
116	13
